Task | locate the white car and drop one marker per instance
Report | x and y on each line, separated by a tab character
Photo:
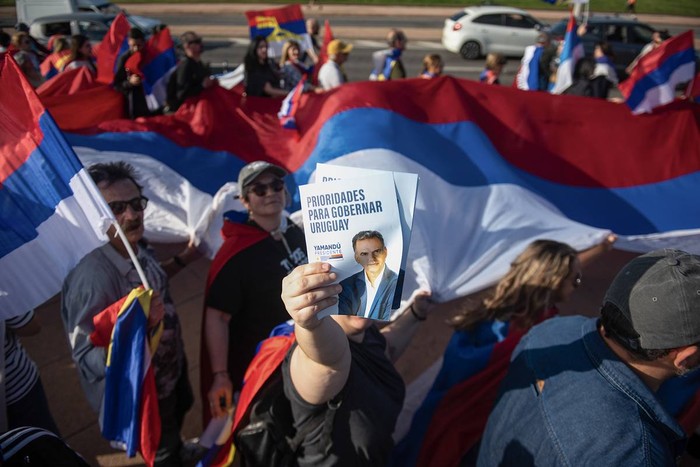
479	30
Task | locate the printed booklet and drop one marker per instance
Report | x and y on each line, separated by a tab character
359	221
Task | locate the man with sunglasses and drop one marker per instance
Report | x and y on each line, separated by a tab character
191	76
106	275
243	301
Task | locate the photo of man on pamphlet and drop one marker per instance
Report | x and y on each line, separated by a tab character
369	293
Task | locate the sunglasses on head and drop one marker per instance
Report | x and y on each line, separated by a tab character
260	189
137	204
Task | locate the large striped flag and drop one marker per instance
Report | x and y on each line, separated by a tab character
130	405
570	54
653	81
482	194
278	25
52	214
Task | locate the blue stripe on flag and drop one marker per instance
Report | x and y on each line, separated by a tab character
441	148
29	196
659	76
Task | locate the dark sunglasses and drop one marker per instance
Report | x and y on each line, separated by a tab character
260	189
196	41
137	204
577	281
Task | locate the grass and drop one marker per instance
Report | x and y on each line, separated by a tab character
667	7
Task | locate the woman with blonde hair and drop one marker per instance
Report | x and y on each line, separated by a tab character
292	69
26	58
454	413
493	68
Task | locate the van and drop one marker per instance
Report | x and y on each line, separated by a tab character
29	10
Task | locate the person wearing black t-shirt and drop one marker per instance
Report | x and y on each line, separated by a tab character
262	78
243	301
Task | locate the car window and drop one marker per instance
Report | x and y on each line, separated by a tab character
520	21
94	31
62	28
639	34
496	20
616	33
595	32
458	15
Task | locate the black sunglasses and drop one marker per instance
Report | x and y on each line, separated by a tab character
260	189
195	41
137	204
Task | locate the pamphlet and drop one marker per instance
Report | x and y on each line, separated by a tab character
359	221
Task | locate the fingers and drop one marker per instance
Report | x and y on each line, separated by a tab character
308	290
219	400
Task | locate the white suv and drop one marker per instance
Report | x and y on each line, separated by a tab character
479	30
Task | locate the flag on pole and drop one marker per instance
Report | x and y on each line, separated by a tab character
528	76
130	400
52	213
570	54
653	81
279	25
290	105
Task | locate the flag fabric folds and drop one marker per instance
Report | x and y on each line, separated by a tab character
52	214
114	43
653	81
570	54
130	400
279	25
290	105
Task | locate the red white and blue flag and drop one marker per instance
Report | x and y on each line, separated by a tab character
290	105
130	404
528	76
52	214
653	81
154	63
509	191
571	52
279	25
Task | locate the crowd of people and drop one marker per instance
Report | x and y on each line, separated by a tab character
344	365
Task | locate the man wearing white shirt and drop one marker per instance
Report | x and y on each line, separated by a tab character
331	75
370	292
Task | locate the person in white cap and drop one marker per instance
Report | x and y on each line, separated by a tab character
242	303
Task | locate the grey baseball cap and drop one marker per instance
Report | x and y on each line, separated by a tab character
659	293
253	170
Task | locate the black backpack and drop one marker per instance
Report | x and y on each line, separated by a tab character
265	435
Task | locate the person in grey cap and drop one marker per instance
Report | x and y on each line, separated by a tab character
583	391
243	302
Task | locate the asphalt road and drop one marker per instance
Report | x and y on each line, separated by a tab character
226	44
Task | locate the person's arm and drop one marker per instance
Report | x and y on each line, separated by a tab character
177	263
588	255
400	332
320	364
272	91
216	335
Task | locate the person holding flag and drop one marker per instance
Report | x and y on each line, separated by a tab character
105	276
129	78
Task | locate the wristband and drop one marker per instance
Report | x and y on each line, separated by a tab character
415	315
219	373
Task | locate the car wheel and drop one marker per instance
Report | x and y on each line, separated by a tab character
471	50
